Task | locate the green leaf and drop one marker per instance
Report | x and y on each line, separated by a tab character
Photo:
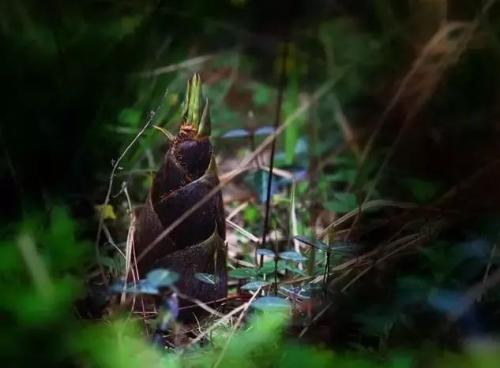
294	269
265	252
272	303
292	132
106	212
251	214
162	278
292	256
243	273
206	278
255	285
336	247
318	244
269	267
143	287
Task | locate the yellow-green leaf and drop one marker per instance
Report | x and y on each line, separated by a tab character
106	212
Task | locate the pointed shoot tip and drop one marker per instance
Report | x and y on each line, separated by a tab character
196	110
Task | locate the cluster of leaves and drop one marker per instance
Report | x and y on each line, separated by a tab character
42	279
41	269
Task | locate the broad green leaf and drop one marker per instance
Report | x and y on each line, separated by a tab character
272	303
243	273
265	252
292	256
162	277
294	269
254	285
264	130
269	267
144	287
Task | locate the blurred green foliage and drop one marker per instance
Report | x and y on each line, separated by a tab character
41	270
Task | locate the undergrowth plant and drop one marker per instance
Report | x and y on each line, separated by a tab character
42	279
187	178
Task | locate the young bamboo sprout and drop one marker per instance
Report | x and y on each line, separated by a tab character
188	173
